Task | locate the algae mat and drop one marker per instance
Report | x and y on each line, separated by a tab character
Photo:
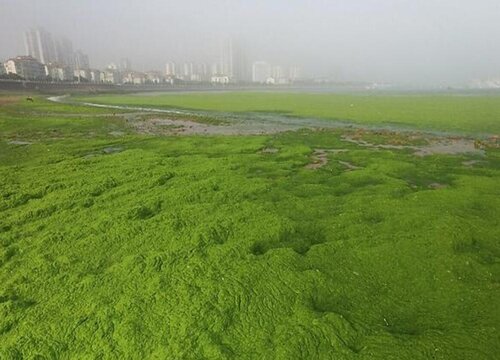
116	245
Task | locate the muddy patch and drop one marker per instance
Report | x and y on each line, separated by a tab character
437	186
435	146
492	142
319	157
6	100
269	150
112	150
449	147
361	142
471	163
191	127
105	151
19	142
173	127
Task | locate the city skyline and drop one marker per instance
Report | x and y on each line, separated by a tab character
51	57
403	41
229	57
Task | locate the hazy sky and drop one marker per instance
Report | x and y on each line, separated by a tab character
408	41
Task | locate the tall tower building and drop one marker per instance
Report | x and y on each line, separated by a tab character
81	61
125	64
202	72
64	52
234	62
226	59
261	72
242	69
277	73
170	69
40	45
187	71
294	73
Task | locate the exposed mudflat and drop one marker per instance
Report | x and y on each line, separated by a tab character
431	143
435	145
170	122
188	127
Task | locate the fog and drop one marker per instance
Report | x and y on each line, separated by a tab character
440	42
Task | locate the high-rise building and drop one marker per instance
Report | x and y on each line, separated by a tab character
125	64
40	45
187	71
226	59
48	49
242	70
170	69
64	52
261	72
294	73
202	72
234	63
81	61
277	72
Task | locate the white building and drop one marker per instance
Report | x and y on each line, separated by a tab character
154	77
220	79
261	72
169	79
491	83
134	77
110	76
58	72
112	66
95	75
82	75
27	67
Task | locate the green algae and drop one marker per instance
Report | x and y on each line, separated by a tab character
206	247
